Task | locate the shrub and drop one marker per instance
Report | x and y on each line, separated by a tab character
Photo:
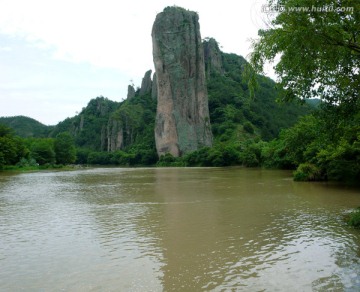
26	162
251	153
101	158
82	155
354	218
198	158
168	160
249	159
308	172
43	152
248	127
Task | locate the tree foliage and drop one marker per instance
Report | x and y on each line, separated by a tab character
319	51
42	150
317	151
64	147
12	148
319	56
232	109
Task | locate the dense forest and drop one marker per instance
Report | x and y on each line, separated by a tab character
308	122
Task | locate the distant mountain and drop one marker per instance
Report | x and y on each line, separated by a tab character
26	127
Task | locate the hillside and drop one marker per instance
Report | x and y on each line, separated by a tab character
231	107
26	127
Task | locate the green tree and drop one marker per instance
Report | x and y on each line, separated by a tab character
298	139
319	56
319	51
12	148
5	131
8	151
42	150
64	147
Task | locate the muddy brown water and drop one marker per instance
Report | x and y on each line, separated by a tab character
175	229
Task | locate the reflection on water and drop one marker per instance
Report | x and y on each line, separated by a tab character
196	229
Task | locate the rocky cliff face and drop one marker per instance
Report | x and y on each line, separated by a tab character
146	83
212	55
182	120
114	135
131	92
154	87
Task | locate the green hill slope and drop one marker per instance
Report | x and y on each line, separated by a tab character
26	127
233	111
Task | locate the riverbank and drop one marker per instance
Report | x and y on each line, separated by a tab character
34	168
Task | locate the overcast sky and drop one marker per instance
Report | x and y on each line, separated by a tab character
56	55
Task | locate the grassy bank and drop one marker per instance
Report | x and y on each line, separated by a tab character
15	168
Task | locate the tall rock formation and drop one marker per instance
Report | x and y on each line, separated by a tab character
212	55
146	83
182	119
131	92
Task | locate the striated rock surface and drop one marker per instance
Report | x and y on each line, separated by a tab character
154	87
146	83
182	119
114	135
131	92
212	55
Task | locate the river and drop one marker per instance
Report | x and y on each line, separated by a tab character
175	229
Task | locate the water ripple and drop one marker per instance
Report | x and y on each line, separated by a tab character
174	229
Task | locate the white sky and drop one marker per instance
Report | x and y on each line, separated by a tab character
56	55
